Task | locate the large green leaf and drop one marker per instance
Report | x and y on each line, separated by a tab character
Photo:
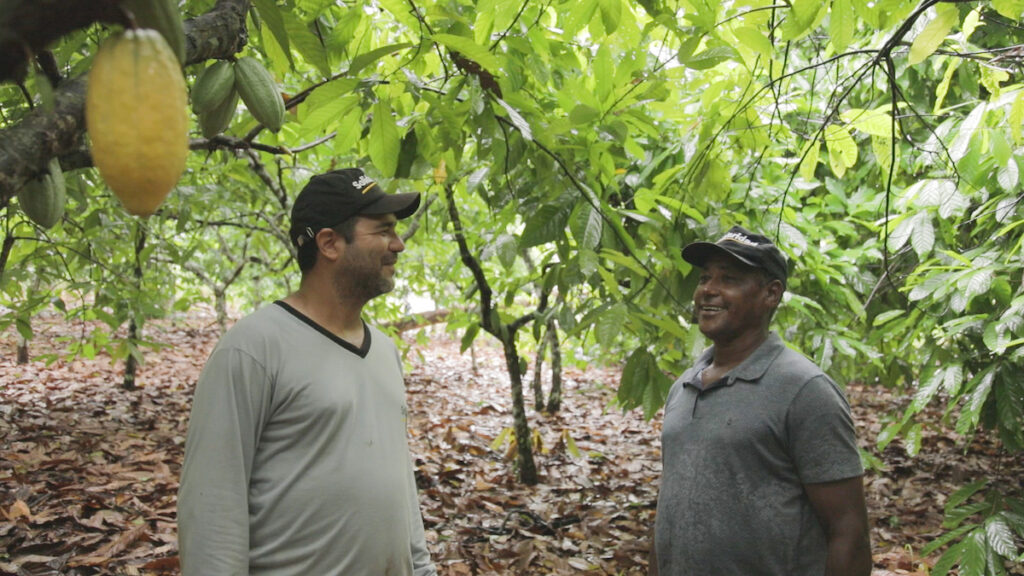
547	224
471	50
842	149
385	139
367	58
842	24
934	33
272	19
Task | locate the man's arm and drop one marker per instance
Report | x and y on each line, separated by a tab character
841	508
421	562
213	509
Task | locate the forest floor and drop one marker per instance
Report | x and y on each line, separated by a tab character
88	471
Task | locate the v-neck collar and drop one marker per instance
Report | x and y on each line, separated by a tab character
358	351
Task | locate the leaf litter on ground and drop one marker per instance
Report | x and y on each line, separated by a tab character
89	471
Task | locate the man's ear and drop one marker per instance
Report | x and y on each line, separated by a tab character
773	291
327	243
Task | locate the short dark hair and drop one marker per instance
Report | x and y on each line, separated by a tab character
307	253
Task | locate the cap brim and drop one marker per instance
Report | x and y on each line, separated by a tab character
401	205
698	253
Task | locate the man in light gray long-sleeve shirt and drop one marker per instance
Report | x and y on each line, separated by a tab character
297	461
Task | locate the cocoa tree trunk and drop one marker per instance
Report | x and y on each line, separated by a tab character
131	365
555	395
524	447
538	373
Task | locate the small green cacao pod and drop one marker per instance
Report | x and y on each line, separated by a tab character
42	199
259	92
162	16
213	86
217	119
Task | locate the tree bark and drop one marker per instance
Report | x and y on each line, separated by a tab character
555	394
491	322
538	374
26	147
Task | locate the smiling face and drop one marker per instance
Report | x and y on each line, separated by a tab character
734	301
366	268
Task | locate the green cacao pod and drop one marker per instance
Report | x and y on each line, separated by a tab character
213	86
218	118
42	199
259	92
162	16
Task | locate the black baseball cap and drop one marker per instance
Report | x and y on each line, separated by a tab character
751	249
331	198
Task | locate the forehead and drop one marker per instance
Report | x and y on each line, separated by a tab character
376	220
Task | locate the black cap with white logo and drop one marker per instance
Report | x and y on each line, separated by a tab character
330	199
751	249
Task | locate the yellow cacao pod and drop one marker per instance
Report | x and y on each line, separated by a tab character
137	117
259	92
217	120
162	16
213	86
42	199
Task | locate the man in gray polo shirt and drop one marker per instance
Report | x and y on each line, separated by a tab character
761	473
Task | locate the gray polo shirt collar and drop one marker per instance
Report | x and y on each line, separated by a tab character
750	370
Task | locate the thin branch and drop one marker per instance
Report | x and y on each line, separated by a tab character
522	8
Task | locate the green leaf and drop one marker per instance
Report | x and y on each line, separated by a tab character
954	378
582	115
710	58
967	128
804	17
623	260
842	23
1010	8
755	39
956	516
886	316
912	440
933	34
971	412
1000	537
842	149
385	139
810	162
944	539
927	391
974	559
943	88
977	283
546	225
471	50
883	151
877	122
964	493
948	559
923	237
310	46
587	227
469	335
517	120
611	14
366	58
1016	118
609	325
271	16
